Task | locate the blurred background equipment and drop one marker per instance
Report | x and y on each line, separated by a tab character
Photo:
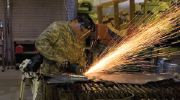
85	6
27	73
3	54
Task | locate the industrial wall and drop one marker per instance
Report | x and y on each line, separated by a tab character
31	17
1	19
2	10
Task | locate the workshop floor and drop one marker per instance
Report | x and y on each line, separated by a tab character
10	82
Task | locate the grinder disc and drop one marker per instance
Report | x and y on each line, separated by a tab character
80	70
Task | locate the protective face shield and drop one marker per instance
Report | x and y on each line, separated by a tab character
80	31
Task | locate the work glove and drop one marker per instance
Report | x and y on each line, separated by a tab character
69	67
34	63
73	68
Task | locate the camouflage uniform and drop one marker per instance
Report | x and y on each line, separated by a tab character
57	44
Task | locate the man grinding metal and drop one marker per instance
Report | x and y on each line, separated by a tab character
61	42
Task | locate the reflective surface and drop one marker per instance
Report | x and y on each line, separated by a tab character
136	78
170	68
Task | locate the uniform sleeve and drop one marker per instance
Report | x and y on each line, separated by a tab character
82	60
44	43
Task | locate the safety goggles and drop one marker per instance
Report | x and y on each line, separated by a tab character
83	29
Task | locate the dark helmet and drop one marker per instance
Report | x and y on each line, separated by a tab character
85	21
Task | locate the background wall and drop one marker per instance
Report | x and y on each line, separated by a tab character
2	10
31	17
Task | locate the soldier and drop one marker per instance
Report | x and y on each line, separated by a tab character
62	41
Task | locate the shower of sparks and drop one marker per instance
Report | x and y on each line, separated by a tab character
155	31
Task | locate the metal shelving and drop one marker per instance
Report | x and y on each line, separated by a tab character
28	51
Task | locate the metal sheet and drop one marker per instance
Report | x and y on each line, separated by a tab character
137	78
61	79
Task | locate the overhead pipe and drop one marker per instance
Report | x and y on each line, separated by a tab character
10	34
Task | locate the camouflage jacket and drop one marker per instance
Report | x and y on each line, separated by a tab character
58	44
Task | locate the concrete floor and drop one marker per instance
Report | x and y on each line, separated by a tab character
10	82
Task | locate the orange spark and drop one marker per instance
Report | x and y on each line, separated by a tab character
146	36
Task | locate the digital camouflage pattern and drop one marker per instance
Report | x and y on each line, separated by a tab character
57	44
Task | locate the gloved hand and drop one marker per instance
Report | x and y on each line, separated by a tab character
69	67
34	63
73	68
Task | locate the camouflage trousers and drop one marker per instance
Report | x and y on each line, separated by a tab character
52	92
55	92
47	92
